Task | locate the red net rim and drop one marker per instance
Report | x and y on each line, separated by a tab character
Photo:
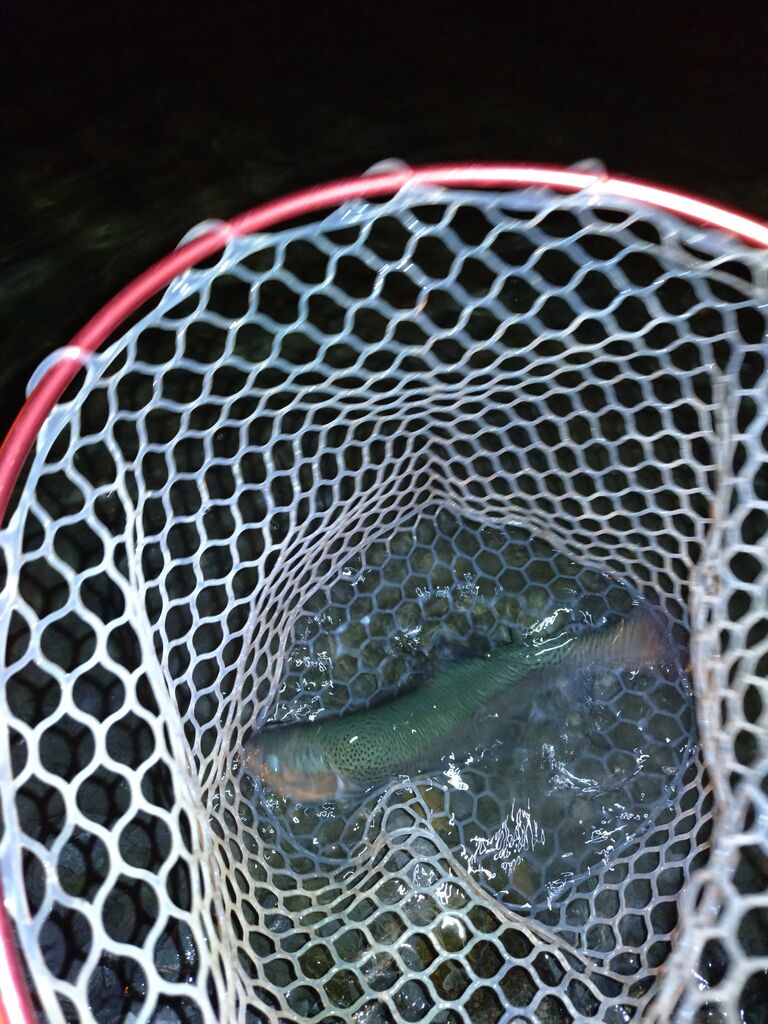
20	438
15	1002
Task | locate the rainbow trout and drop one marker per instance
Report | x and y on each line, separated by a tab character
409	734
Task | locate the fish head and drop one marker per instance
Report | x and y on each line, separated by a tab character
291	767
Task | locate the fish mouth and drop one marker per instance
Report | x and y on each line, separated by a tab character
286	779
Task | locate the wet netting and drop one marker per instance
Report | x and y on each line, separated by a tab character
321	468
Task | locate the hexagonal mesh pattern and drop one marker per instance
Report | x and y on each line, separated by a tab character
295	486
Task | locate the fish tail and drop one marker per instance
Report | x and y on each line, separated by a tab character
653	642
633	642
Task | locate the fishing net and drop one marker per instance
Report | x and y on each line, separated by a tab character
299	482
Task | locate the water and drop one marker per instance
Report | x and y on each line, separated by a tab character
560	783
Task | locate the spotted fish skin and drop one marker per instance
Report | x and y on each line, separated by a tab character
409	734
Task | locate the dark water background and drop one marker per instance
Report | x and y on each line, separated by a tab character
125	124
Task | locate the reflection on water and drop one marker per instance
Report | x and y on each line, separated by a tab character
518	835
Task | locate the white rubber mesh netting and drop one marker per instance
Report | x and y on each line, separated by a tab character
304	475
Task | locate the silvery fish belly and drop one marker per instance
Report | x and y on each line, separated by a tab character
409	735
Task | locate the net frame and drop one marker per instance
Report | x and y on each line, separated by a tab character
15	1000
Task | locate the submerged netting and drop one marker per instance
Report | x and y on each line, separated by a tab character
305	478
